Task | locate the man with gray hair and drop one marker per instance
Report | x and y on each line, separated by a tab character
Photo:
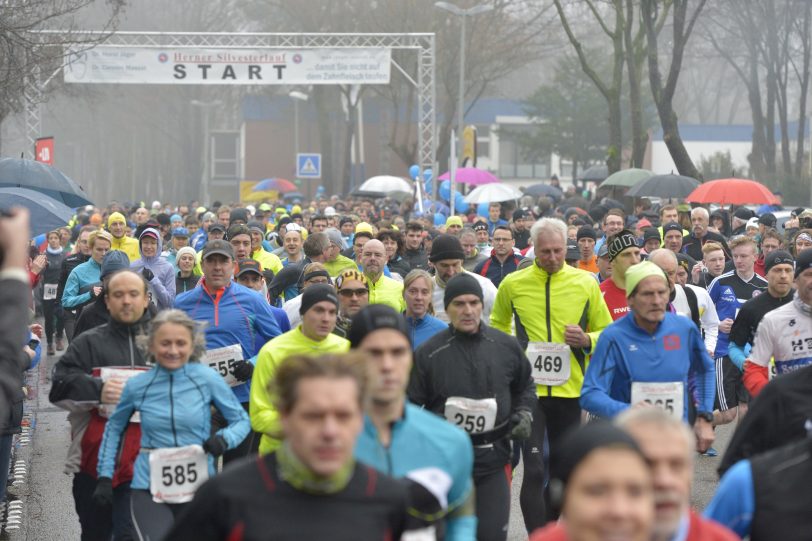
668	445
692	244
559	313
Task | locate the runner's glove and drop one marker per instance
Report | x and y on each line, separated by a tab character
242	370
147	274
215	446
103	495
522	425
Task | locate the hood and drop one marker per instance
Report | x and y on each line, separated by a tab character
156	233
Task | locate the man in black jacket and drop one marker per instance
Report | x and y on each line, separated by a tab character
96	313
413	251
68	264
15	294
80	384
478	378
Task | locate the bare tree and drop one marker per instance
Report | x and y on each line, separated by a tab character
27	56
682	24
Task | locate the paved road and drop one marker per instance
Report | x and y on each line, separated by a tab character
48	505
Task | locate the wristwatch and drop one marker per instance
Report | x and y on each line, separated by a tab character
708	416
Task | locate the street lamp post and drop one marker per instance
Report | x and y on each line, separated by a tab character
464	14
296	96
205	177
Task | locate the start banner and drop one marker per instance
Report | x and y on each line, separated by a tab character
133	65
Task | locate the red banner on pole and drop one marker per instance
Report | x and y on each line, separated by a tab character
44	150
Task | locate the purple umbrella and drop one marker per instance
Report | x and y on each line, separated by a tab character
472	175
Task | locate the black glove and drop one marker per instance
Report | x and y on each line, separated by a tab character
215	446
522	425
103	495
242	370
147	274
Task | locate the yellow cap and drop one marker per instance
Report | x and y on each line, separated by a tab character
114	218
453	220
637	273
363	226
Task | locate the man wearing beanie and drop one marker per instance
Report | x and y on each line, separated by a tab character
586	238
313	336
780	267
785	334
447	258
558	312
404	440
478	378
623	253
117	226
649	356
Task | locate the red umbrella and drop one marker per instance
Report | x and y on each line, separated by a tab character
732	191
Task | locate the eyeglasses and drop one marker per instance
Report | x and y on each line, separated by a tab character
360	292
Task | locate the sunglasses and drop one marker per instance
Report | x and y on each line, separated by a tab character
360	292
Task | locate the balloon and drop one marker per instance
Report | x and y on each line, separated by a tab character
414	171
427	174
445	190
482	210
439	219
459	203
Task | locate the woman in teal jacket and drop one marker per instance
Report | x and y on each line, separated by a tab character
174	402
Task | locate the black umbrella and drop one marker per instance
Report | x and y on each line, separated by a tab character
47	214
596	173
40	177
664	186
538	190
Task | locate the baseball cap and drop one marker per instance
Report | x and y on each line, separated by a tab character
603	251
180	232
220	247
217	227
671	226
237	229
573	252
248	265
651	233
768	219
363	226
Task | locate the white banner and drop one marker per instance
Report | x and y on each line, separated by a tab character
131	65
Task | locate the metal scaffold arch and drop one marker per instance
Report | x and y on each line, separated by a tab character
422	43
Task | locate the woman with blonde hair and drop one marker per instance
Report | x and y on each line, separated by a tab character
418	289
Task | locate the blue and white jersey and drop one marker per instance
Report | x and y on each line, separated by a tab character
729	292
785	334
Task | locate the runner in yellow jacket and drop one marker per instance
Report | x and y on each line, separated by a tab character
312	337
117	225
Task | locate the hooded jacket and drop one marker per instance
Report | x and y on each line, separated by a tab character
128	245
162	285
77	291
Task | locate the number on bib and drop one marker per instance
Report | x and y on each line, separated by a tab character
670	396
176	472
550	362
222	360
472	415
49	292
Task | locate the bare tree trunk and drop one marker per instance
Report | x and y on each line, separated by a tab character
803	76
663	94
633	67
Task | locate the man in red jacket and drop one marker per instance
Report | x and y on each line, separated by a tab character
669	446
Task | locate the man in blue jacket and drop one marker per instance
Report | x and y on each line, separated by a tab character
647	356
239	322
403	440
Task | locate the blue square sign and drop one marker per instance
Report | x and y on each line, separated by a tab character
308	165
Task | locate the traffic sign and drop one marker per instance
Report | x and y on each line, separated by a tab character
308	165
44	150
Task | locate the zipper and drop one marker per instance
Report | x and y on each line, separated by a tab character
549	325
172	410
132	356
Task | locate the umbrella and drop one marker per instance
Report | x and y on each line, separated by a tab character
386	184
492	193
47	214
293	195
41	177
275	185
732	191
538	190
627	178
664	186
596	173
471	175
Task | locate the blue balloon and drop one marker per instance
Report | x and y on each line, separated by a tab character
439	219
427	174
459	202
482	210
414	171
445	190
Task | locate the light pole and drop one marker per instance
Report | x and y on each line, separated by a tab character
464	14
204	178
296	96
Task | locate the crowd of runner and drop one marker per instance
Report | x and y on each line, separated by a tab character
356	369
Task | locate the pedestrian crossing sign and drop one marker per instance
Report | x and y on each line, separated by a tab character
308	165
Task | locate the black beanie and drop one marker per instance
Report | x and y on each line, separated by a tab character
461	284
586	232
777	257
803	261
315	294
446	247
374	317
238	214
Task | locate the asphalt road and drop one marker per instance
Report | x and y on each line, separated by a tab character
47	503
